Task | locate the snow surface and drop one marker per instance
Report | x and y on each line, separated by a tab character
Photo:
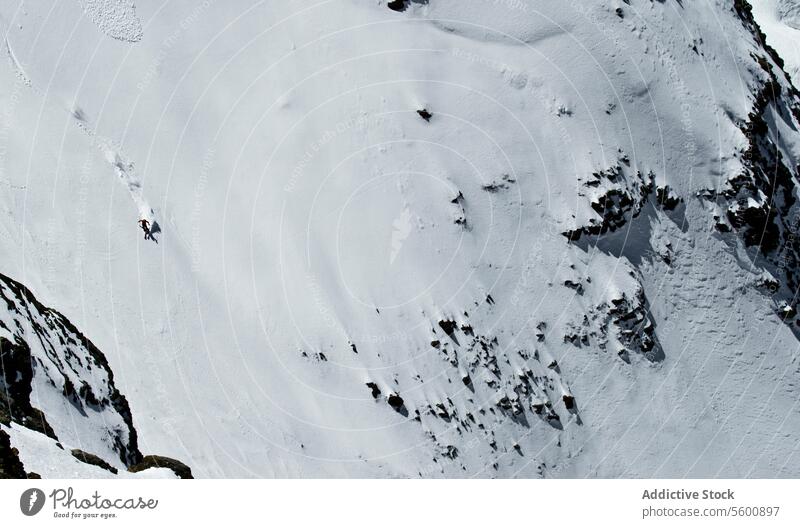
44	457
780	20
315	230
71	387
115	18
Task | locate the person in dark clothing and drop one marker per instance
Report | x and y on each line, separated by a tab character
145	225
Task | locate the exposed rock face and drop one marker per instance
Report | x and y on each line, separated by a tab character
154	461
402	5
47	360
532	391
760	203
634	327
10	465
757	204
620	198
55	381
17	378
88	458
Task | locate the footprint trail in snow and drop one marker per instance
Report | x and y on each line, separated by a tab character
123	167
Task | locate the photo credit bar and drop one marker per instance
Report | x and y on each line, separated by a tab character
401	503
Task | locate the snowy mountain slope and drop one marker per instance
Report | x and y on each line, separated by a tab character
44	457
443	239
57	384
780	20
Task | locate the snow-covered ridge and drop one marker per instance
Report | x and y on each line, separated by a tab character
57	383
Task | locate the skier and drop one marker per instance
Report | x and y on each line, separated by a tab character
145	225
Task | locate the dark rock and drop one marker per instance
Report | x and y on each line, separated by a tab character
375	390
88	458
16	369
10	465
450	452
635	327
154	461
577	286
449	328
395	401
67	352
618	205
666	199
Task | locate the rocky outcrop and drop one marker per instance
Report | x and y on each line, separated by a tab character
402	5
10	465
154	461
619	197
43	353
759	204
55	381
621	324
634	327
88	458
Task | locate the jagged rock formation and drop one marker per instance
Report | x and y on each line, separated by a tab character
760	203
53	380
10	465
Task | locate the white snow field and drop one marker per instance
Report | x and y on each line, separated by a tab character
780	20
443	238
